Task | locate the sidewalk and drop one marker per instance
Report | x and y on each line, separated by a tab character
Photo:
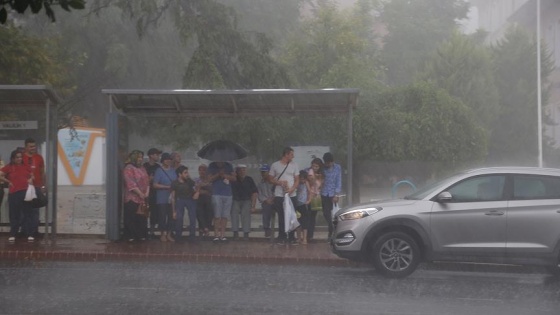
257	250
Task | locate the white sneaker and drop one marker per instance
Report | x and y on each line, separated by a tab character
31	239
11	239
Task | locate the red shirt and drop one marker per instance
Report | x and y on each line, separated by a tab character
18	175
37	165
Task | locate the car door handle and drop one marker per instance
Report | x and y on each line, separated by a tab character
494	212
557	211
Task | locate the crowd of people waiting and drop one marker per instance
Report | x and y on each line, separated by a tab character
223	193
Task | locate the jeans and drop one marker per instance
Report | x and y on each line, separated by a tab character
165	217
241	209
180	205
222	206
267	213
16	207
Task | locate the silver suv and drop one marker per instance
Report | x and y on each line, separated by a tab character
494	215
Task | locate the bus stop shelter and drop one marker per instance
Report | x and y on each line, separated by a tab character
25	110
214	103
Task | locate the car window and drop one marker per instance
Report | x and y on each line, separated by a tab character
480	188
528	187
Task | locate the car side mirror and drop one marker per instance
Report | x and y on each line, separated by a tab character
444	197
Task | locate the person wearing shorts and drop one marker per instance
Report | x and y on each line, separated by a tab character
221	175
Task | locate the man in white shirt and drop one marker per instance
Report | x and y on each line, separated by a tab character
284	175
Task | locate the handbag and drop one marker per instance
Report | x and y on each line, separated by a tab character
143	209
335	209
316	204
41	200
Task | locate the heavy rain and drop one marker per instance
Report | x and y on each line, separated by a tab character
330	110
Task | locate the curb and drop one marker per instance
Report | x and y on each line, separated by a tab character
34	255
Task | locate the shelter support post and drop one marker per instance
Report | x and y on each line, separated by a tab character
51	171
112	211
350	155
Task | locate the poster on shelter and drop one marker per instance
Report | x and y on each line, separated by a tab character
75	145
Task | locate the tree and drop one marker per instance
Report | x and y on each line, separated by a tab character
334	48
414	30
20	6
238	58
466	71
515	139
419	122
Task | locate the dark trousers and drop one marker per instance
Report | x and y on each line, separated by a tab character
16	206
154	215
311	227
180	205
305	216
204	211
166	223
279	208
135	226
327	205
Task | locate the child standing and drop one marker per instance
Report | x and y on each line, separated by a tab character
302	206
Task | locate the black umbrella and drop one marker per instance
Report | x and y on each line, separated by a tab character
222	150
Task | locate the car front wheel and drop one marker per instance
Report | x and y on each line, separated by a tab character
395	255
555	269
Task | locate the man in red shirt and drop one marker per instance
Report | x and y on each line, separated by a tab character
37	164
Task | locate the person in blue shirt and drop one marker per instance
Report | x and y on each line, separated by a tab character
332	186
221	175
163	178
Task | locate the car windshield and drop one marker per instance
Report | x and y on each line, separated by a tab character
430	188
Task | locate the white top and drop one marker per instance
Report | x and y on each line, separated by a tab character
289	175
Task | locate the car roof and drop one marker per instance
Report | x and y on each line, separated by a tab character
514	169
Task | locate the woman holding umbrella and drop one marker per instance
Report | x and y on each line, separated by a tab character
221	175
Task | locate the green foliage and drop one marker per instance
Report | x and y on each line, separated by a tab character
334	49
20	6
514	140
465	70
419	122
27	59
235	59
274	18
414	29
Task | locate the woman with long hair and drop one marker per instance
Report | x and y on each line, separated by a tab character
18	177
315	179
137	190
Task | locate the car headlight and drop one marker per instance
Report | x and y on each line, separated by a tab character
358	214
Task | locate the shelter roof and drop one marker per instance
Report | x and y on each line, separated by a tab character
198	103
27	95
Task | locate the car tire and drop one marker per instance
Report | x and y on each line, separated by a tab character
395	255
555	270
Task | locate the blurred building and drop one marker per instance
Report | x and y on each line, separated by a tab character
495	16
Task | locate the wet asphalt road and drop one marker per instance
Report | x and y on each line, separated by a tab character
160	288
